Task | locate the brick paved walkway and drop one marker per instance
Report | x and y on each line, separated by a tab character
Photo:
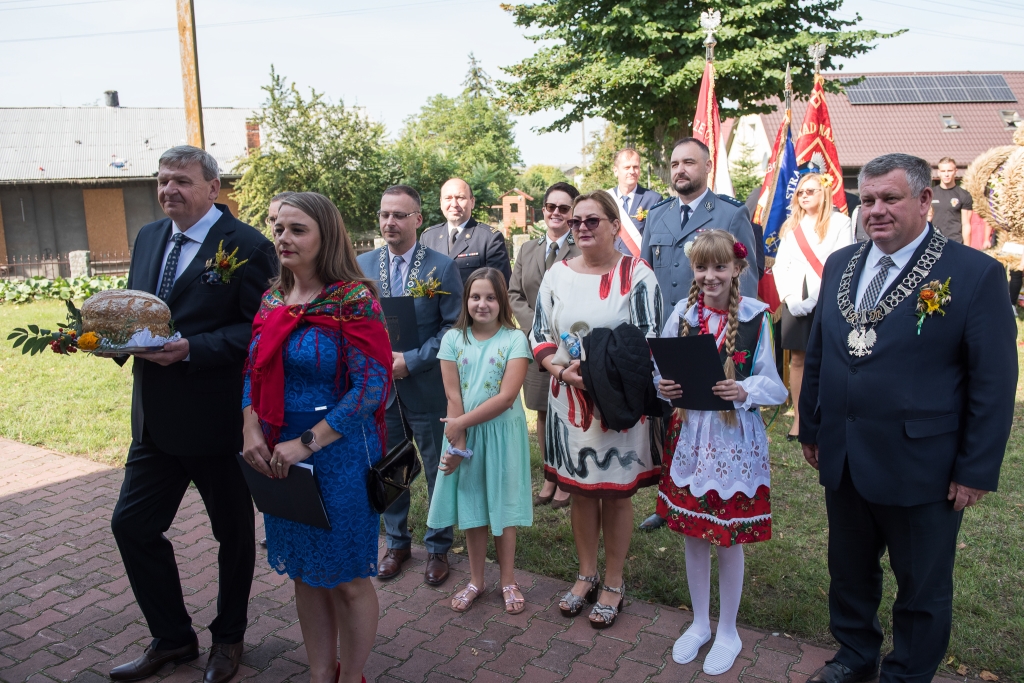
68	614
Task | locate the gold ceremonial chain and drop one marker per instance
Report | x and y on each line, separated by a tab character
863	335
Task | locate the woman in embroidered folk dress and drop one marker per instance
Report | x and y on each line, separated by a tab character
486	449
812	232
716	491
316	384
600	468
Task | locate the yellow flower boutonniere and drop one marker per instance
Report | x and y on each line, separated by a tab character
222	266
930	300
427	287
641	214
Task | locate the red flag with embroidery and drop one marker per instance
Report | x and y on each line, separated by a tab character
706	124
815	145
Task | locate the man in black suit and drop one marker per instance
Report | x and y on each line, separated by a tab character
186	415
470	244
906	418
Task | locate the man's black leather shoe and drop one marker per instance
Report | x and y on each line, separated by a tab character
834	672
151	661
223	663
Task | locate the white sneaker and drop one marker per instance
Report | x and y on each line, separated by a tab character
686	646
722	656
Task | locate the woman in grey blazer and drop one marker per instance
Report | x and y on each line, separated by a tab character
533	260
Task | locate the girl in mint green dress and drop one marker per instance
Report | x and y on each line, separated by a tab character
486	452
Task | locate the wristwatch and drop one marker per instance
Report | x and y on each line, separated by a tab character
308	439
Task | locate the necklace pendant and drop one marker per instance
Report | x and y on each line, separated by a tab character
860	341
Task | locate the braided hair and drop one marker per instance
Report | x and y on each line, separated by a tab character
708	248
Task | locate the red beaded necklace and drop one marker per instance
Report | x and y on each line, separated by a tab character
703	319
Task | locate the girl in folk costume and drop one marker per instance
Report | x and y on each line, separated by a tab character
812	232
715	491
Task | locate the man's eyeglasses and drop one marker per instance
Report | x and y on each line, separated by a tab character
399	215
560	208
808	191
591	223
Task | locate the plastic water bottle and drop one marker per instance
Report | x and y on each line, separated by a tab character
572	345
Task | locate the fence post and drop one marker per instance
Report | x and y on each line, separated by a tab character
78	261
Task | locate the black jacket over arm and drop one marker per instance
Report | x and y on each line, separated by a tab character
194	407
922	409
619	375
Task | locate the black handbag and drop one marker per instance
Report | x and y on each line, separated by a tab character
394	474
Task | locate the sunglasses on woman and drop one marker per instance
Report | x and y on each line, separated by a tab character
591	223
808	191
560	208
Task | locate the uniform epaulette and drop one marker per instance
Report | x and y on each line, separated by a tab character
730	200
495	230
666	200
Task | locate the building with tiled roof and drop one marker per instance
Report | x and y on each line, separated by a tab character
929	115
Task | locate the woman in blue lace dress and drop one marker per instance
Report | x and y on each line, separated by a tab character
315	390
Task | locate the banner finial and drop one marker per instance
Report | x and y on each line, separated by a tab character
709	21
817	53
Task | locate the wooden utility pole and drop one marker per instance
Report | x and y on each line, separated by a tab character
190	73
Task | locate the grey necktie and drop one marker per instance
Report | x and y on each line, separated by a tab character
874	287
167	280
397	286
625	203
549	260
686	216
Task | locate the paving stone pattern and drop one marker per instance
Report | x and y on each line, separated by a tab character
67	612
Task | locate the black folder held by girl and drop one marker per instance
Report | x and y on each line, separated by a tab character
694	364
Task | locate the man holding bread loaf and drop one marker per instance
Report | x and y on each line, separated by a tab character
186	412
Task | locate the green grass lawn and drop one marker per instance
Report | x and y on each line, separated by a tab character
80	405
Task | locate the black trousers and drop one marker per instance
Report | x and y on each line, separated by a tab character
922	544
154	485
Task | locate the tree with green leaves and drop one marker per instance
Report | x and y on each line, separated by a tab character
639	63
746	172
601	150
535	181
313	145
477	83
469	136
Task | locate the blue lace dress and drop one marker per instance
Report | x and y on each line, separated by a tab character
348	551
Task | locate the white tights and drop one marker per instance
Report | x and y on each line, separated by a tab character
730	586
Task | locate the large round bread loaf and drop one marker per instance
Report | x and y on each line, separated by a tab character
116	314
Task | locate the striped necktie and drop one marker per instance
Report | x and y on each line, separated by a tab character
874	288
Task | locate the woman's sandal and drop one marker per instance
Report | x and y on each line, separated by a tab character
513	605
572	604
465	598
606	614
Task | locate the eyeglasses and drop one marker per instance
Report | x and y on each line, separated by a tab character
399	215
560	208
591	223
808	191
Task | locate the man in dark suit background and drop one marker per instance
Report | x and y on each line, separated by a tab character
186	419
632	199
906	420
471	244
419	403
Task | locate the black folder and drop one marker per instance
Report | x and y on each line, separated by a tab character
694	364
400	314
295	498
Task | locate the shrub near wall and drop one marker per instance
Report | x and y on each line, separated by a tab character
35	288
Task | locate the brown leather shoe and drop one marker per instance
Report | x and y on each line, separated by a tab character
223	663
436	572
151	661
391	565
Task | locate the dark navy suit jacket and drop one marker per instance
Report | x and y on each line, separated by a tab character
477	246
921	410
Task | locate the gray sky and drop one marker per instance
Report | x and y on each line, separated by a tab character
387	55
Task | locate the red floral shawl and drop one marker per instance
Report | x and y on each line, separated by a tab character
348	307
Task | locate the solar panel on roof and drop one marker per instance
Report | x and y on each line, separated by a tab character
940	88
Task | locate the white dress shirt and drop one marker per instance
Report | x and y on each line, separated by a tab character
403	268
560	241
901	258
693	205
196	234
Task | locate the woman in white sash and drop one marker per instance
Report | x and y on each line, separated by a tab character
812	232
